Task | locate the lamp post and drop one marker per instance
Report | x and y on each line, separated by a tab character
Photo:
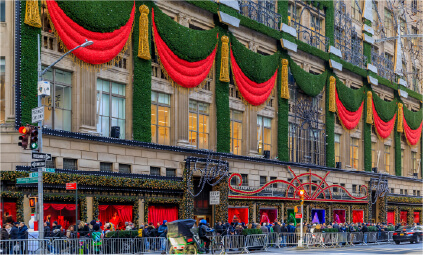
40	134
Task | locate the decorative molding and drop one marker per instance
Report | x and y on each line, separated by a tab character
368	29
368	39
231	3
335	51
402	82
372	68
372	80
288	45
228	19
402	93
368	10
288	29
335	65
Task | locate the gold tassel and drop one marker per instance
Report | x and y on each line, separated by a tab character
32	14
284	80
400	127
369	117
332	101
224	60
143	45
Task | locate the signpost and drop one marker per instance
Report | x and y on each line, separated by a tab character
38	164
214	197
37	114
42	156
73	186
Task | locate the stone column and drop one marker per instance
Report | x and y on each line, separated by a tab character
85	99
252	133
89	209
141	211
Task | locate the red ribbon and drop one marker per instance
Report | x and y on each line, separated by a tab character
383	128
413	136
254	93
106	45
349	119
185	73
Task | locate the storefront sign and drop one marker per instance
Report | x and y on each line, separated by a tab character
71	186
214	197
298	215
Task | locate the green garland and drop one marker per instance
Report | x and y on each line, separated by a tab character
141	98
223	118
367	133
409	200
187	205
397	148
19	202
385	110
206	5
256	67
121	199
13	175
98	16
188	44
311	84
283	10
414	119
283	123
221	210
161	200
330	21
28	67
71	198
330	127
350	98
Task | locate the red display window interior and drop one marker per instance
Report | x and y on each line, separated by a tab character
358	216
238	215
115	214
391	217
268	215
416	217
8	212
339	216
159	213
64	214
403	217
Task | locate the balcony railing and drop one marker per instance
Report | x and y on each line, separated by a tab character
262	12
385	66
310	36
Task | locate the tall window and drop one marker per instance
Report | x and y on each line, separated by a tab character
58	106
388	23
154	170
2	10
70	163
291	144
110	107
264	136
293	17
124	168
170	172
387	158
413	162
355	10
337	148
244	179
236	132
106	166
354	153
316	23
263	180
160	118
199	124
374	155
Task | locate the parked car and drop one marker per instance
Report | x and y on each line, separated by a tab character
408	234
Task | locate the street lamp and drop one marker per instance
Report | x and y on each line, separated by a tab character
40	134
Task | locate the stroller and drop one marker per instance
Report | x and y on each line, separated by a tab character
181	238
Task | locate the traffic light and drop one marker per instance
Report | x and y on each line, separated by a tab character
32	202
24	130
301	193
34	138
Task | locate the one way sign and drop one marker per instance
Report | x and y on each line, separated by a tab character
35	164
42	156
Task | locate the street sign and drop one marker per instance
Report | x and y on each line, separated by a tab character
37	114
214	197
49	170
298	216
43	156
71	186
35	164
33	174
27	180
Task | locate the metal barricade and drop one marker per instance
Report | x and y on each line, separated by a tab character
70	246
383	237
216	245
288	239
234	243
273	240
343	238
356	238
372	237
391	236
256	242
24	246
330	239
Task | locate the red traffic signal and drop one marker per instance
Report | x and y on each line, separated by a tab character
24	130
301	194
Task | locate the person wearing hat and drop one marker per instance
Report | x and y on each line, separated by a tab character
47	231
162	232
202	231
97	238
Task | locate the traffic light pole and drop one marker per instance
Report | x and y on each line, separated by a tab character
300	243
40	149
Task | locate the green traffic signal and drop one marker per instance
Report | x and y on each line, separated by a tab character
34	146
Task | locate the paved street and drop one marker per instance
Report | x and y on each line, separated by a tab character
405	248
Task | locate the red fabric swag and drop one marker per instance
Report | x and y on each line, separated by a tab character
158	213
254	93
10	208
349	119
413	136
383	128
106	45
185	73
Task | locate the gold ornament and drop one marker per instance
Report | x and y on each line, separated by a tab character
32	14
143	45
400	127
332	101
369	118
284	80
224	60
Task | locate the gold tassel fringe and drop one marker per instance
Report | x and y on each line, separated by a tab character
332	100
284	80
143	45
32	14
369	117
400	127
224	60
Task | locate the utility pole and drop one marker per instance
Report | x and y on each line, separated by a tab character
301	193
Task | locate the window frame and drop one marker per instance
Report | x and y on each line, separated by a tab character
337	150
262	128
387	154
156	125
239	140
197	131
108	164
354	149
155	168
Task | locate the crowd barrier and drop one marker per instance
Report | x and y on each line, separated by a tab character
219	244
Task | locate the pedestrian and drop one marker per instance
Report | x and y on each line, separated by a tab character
162	229
70	232
5	235
364	230
283	233
47	230
97	237
56	229
202	233
264	229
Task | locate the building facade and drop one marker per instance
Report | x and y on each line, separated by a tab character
272	96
